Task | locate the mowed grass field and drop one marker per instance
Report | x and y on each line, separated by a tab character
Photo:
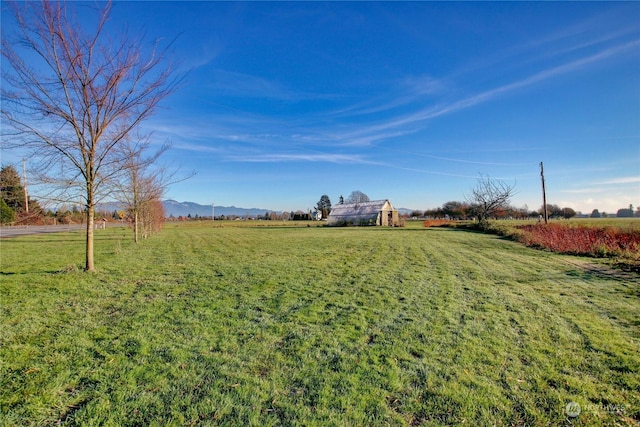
313	326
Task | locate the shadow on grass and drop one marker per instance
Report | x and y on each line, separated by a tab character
81	239
592	272
59	271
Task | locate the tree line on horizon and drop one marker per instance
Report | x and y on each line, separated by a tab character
19	208
489	199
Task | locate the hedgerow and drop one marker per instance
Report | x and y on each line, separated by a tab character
437	223
620	244
582	240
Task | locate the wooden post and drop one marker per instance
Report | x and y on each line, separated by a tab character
24	178
544	195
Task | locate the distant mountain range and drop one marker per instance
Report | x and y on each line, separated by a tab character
171	207
176	209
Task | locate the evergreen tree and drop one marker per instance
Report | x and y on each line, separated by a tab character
324	205
7	215
11	189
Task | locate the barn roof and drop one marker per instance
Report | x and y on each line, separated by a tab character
362	208
358	211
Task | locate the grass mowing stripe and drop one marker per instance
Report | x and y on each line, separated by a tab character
313	326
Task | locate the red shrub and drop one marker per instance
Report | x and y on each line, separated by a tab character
581	240
436	223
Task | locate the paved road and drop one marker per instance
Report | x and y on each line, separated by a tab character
23	230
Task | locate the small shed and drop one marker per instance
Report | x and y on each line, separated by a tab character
377	212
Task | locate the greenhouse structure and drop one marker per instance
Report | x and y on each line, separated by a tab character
377	212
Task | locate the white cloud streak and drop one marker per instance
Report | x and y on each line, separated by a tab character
449	159
622	180
368	134
266	133
590	190
536	78
277	158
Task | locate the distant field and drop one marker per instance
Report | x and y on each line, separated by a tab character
295	325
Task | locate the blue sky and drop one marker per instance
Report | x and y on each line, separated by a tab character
285	102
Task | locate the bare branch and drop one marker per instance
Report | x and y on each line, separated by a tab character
77	98
489	196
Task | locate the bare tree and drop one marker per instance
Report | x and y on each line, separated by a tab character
141	183
489	196
357	197
71	97
152	215
455	209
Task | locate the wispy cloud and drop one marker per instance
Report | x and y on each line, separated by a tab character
203	55
475	162
590	43
424	171
622	180
277	158
407	90
586	190
365	136
245	85
600	187
434	111
570	39
360	124
535	78
198	148
231	83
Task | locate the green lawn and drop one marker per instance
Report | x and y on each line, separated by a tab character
313	326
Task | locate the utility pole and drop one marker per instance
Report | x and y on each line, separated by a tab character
213	212
24	178
544	195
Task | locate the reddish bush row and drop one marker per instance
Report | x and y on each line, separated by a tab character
581	240
436	222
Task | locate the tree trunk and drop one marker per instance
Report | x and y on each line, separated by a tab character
73	97
135	226
89	265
